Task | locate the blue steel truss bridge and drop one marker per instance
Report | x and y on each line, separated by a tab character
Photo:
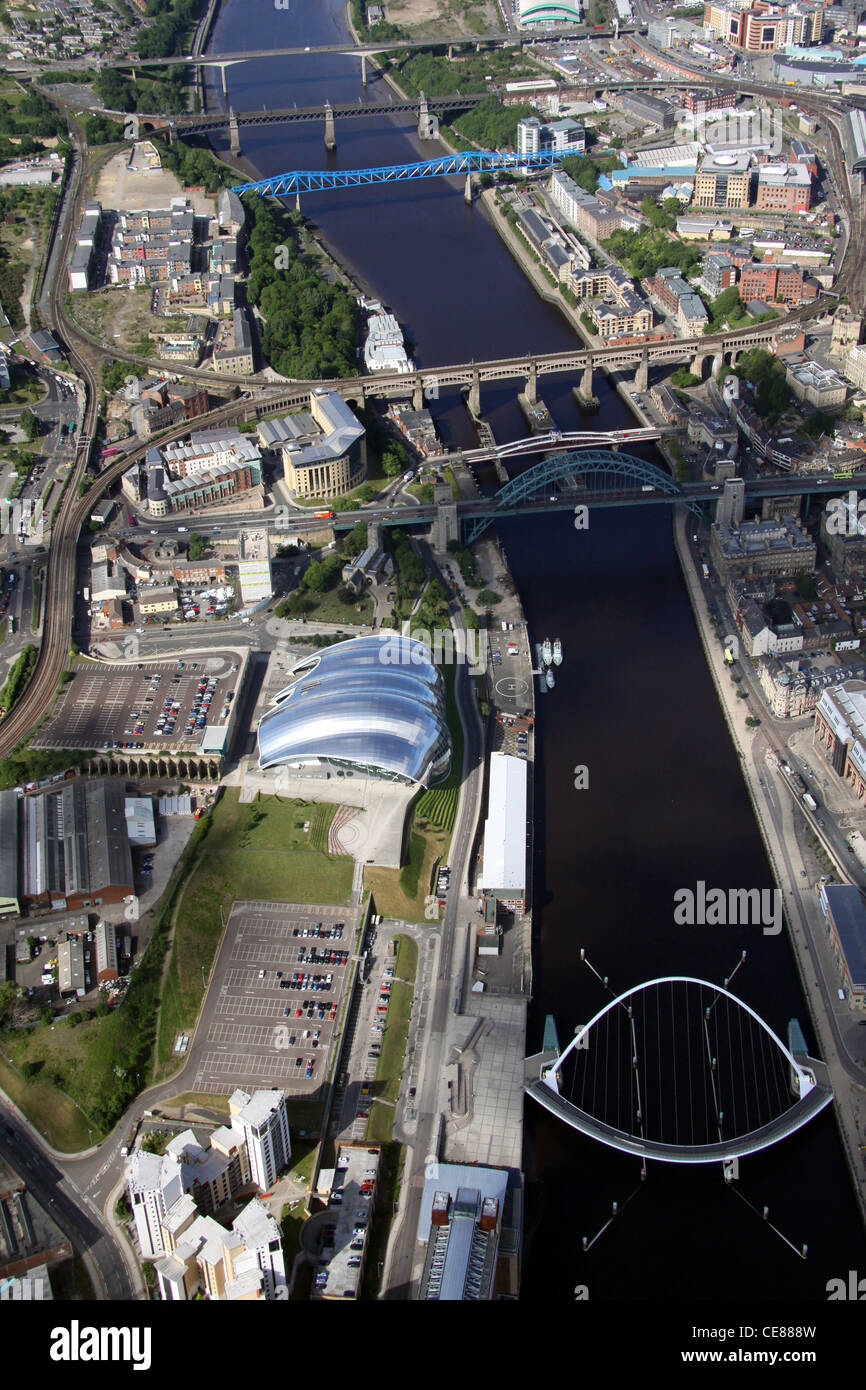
467	162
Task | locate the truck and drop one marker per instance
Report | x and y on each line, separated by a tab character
85	594
810	801
705	571
130	1139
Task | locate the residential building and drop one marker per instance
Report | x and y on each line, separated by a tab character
233	350
461	1224
766	281
537	137
262	1120
195	1174
718	273
591	217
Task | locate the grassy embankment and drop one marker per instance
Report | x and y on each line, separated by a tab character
389	1072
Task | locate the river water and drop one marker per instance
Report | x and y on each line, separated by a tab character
666	803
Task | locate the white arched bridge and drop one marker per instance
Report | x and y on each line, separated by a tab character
682	1071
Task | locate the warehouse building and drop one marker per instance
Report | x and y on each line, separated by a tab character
846	928
70	846
503	870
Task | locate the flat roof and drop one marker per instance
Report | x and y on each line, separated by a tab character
505	827
849	919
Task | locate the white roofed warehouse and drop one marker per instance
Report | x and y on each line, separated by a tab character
503	870
374	705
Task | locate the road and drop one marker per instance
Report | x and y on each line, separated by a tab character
76	1217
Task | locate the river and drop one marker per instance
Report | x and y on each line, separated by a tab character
666	803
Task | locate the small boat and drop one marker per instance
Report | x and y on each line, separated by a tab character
546	652
549	678
557	653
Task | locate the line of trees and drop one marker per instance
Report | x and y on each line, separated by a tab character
311	326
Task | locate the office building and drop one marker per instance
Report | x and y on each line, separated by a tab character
784	188
723	181
757	26
324	450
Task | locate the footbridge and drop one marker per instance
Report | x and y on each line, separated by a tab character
681	1071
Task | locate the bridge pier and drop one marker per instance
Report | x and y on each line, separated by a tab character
641	376
418	395
223	81
474	397
451	53
297	202
584	394
428	122
531	390
234	134
718	363
330	135
467	191
363	69
696	366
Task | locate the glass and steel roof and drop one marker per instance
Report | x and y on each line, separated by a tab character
374	702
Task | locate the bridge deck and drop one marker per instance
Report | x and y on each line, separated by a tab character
758	1139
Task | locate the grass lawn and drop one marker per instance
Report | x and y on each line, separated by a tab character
54	1114
401	892
389	1071
201	1100
303	1159
330	608
256	850
292	1218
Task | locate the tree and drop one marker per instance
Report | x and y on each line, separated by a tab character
30	424
391	463
355	541
197	544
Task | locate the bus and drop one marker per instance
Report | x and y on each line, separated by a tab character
112	449
843	475
327	516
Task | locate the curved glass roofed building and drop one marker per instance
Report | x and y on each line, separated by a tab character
374	705
550	11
